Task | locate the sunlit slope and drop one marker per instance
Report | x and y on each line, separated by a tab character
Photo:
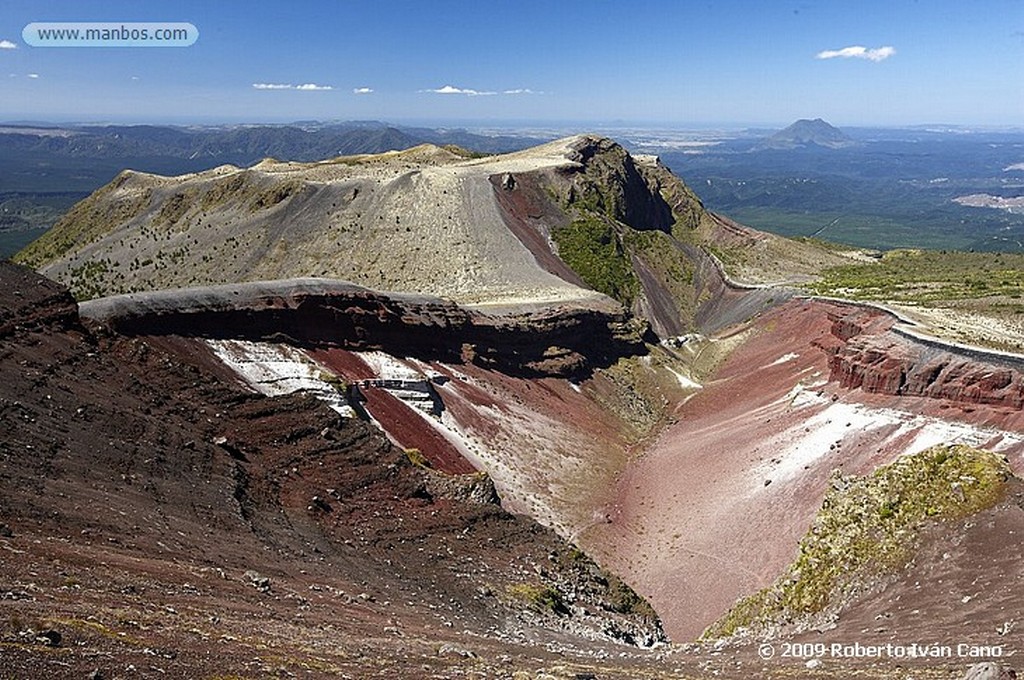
576	220
414	220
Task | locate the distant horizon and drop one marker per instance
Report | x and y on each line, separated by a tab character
872	63
498	125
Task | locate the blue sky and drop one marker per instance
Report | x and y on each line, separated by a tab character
852	62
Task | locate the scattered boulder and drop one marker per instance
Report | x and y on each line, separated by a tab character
990	671
231	449
257	581
472	488
317	503
449	649
50	638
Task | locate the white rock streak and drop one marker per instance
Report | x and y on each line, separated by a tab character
817	436
276	370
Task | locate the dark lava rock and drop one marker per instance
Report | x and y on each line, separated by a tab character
50	638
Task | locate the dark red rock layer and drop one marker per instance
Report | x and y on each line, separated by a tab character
30	302
402	423
550	341
864	352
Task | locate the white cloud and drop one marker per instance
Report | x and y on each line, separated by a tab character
521	90
8	45
362	90
858	52
33	76
451	89
306	87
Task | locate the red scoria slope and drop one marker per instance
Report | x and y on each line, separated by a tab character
714	509
159	521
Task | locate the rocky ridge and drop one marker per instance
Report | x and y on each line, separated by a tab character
422	220
573	222
557	341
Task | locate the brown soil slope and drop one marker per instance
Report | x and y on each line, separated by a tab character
161	519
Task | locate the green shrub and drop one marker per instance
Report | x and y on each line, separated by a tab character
417	458
539	597
868	527
592	247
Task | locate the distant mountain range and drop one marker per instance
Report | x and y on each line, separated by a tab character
239	145
46	168
806	133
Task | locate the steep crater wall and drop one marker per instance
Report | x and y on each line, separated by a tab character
532	341
867	351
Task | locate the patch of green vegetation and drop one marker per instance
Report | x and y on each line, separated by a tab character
175	208
988	284
88	221
592	247
625	600
90	627
931	278
867	528
658	251
417	458
334	380
729	257
89	279
464	152
573	557
537	596
634	393
225	188
833	247
690	216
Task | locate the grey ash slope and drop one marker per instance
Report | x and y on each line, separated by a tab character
420	220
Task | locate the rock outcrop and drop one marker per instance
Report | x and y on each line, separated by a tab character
866	353
555	341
